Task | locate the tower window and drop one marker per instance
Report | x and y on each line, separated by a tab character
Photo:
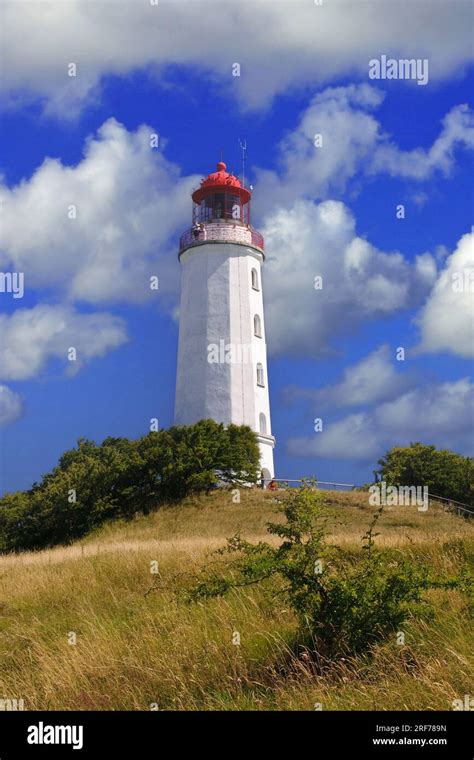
262	423
260	378
255	284
257	326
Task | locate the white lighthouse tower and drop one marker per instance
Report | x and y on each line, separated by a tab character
222	356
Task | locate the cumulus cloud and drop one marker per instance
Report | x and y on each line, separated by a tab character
419	164
30	337
359	282
331	142
304	239
447	320
278	44
338	136
371	380
440	414
98	231
11	405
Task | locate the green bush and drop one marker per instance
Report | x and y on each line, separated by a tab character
93	483
342	607
444	472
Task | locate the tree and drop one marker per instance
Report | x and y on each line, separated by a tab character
93	483
190	459
444	472
15	516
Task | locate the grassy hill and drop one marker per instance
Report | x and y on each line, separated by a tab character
135	649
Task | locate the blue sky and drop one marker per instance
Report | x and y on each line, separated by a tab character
330	210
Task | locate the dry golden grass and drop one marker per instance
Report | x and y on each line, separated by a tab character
135	650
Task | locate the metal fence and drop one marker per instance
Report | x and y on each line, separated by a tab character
325	484
449	505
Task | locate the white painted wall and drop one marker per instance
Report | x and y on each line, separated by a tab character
218	303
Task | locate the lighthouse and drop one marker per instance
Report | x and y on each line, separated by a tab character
222	356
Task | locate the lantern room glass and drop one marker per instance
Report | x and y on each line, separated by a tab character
226	207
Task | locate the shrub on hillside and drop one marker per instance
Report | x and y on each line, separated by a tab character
195	458
444	472
342	607
93	483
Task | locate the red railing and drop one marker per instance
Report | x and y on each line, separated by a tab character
221	232
257	238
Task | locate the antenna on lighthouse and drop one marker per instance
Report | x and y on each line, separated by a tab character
243	145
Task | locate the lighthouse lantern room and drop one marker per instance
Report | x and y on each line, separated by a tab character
222	357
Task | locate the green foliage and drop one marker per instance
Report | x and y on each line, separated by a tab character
195	458
342	606
119	478
444	472
15	510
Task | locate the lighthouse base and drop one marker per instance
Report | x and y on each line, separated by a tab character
266	445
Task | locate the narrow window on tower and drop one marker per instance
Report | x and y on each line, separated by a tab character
255	279
262	423
260	380
257	326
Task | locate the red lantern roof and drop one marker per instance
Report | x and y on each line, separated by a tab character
221	181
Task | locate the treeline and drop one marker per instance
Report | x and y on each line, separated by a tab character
443	472
93	483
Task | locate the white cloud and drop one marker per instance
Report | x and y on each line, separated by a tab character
11	405
371	380
342	117
130	205
353	142
349	438
278	44
447	319
359	281
30	337
419	164
436	414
